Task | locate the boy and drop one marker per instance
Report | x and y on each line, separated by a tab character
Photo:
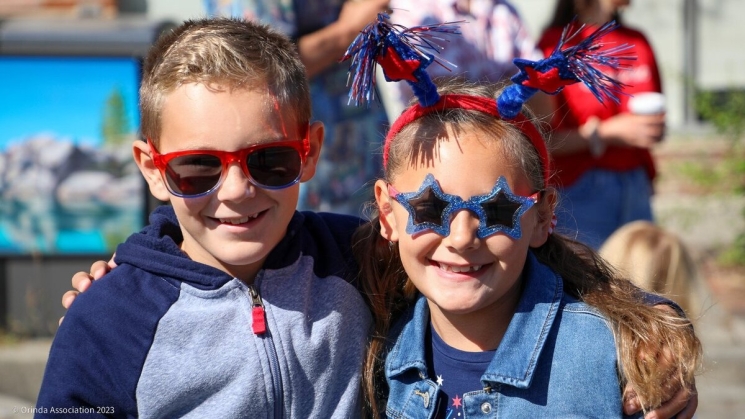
237	305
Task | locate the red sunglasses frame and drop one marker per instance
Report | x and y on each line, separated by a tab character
226	159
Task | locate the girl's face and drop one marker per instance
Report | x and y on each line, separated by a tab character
462	273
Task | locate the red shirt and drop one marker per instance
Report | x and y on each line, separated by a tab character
576	104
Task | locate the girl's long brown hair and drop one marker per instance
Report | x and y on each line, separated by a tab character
657	349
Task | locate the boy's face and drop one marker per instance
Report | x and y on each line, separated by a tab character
235	227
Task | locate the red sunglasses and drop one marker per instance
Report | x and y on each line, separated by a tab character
195	173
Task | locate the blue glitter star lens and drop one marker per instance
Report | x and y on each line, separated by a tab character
500	210
431	209
428	208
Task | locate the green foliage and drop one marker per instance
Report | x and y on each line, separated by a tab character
735	254
725	176
115	126
724	109
700	175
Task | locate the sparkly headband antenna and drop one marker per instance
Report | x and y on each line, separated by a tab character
404	54
567	66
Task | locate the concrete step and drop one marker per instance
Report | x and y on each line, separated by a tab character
22	365
15	408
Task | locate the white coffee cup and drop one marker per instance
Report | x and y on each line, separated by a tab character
647	103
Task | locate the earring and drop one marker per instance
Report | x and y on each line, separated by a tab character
554	221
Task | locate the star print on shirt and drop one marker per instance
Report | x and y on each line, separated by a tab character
456	401
440	380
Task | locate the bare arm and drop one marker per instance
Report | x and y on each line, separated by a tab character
324	47
625	130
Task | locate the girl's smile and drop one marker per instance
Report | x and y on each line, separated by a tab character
458	269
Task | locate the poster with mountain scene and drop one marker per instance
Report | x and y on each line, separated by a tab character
68	183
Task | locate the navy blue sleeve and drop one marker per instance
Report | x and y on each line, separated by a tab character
656	299
99	350
339	230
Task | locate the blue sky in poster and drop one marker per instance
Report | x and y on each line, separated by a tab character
63	96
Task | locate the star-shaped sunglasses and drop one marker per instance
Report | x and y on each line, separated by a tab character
430	208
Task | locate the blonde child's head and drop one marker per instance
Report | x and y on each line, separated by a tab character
655	260
222	53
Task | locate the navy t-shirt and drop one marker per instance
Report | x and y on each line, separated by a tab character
456	372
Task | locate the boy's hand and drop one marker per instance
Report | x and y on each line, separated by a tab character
82	280
681	406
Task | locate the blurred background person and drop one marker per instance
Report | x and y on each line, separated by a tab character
493	34
603	165
323	29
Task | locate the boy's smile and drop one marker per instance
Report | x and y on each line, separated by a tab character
234	227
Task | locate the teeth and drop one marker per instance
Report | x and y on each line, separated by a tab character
238	220
459	269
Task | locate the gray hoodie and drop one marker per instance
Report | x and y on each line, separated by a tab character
163	336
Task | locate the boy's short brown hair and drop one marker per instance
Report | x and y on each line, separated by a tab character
222	53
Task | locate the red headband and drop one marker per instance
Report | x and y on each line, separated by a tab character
476	103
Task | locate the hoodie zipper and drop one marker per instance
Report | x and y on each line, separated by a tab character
257	312
258	315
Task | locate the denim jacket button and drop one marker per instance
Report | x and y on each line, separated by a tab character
425	397
486	407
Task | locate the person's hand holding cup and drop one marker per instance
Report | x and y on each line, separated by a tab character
647	103
649	109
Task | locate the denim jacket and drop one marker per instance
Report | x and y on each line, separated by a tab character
557	359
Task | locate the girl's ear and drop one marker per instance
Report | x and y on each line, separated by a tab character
315	138
141	153
388	226
545	225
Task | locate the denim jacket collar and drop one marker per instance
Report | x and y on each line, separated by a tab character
515	360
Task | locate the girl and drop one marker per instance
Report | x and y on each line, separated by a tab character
491	321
